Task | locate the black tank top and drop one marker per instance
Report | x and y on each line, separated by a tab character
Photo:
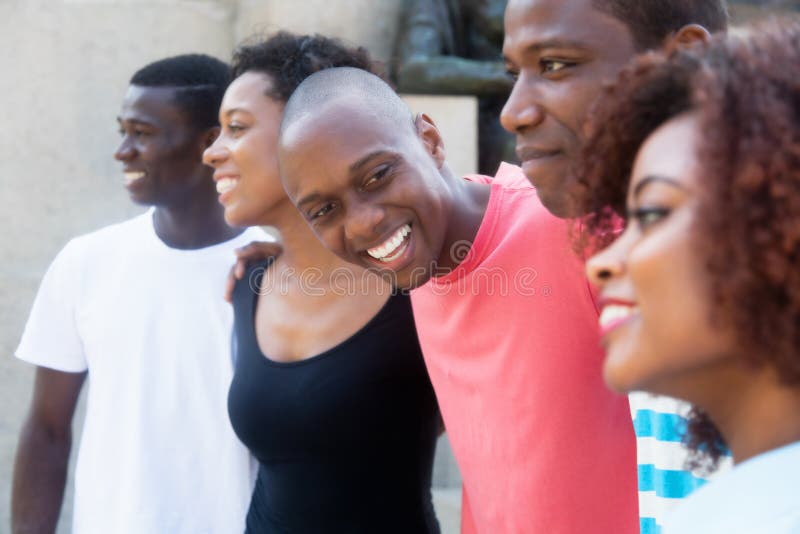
345	439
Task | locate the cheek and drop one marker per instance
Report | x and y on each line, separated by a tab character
176	163
673	333
330	236
660	285
258	168
245	156
150	153
582	98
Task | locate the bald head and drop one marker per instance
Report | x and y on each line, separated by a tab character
361	171
346	86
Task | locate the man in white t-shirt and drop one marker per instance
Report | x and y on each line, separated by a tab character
136	311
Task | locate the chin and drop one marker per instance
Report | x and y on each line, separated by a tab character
559	197
618	373
614	383
238	220
557	203
232	220
411	278
143	200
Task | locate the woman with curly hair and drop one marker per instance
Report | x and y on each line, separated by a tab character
700	152
330	391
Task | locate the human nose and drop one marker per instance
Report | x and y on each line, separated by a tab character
125	151
522	110
362	221
609	263
215	154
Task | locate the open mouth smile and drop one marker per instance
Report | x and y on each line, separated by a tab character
226	184
392	248
615	315
131	177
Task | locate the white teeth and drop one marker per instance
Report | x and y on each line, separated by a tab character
226	184
385	251
131	177
613	312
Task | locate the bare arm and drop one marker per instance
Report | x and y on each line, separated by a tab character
40	467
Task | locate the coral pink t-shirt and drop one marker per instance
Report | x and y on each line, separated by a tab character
510	339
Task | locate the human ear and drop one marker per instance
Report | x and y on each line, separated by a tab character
431	139
687	36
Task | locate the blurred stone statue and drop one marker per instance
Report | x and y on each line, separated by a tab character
454	47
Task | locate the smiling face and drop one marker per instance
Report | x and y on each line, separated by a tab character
560	52
655	297
160	149
371	189
244	155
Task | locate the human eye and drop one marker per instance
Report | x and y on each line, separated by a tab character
375	178
550	66
236	128
645	217
320	212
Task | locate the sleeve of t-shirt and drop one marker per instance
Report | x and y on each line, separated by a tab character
51	338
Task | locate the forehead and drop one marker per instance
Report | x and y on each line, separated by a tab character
531	22
344	128
247	89
336	137
154	105
670	151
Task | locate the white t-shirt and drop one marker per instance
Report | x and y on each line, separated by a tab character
157	454
758	496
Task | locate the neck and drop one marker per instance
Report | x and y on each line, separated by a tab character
762	415
466	206
194	224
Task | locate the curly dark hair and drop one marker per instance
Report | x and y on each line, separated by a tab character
651	21
288	59
745	88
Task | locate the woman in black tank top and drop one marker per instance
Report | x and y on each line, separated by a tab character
330	391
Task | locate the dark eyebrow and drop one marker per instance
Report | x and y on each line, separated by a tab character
647	180
361	162
120	121
550	43
313	197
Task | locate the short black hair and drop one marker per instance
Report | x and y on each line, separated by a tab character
199	82
651	21
288	59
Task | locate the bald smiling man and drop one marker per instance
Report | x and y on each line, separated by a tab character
504	314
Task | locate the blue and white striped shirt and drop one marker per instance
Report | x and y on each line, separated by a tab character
660	424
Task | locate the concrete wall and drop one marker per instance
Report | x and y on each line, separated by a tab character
65	66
